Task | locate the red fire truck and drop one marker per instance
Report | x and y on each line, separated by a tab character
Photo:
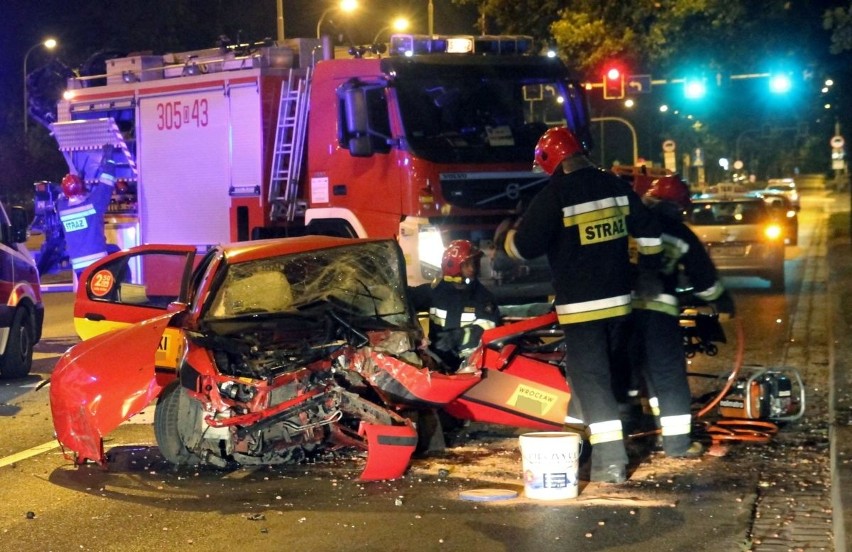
431	142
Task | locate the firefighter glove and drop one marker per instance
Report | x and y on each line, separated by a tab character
648	284
502	231
725	305
471	337
450	340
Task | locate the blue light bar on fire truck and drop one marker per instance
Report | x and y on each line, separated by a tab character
415	45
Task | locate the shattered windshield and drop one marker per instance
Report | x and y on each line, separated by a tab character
364	279
474	114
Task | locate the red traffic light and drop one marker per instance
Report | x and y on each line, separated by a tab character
613	84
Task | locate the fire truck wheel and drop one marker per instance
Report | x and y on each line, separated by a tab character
166	419
17	360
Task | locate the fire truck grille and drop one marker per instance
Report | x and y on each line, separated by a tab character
494	191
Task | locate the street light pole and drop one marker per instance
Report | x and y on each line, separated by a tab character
345	6
431	13
50	44
399	24
280	13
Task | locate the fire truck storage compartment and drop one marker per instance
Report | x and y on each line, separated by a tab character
134	69
207	142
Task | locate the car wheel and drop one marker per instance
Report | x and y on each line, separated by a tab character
166	432
17	361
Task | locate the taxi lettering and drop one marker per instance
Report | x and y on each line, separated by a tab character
164	344
603	230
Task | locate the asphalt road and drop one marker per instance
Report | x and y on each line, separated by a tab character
746	496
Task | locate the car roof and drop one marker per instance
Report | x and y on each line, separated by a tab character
773	194
719	198
781	183
239	252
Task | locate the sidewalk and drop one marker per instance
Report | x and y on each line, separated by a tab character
840	328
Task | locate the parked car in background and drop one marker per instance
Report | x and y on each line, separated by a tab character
726	188
21	308
786	186
741	234
784	211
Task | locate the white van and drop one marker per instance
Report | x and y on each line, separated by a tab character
21	307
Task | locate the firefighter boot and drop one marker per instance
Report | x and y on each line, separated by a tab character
609	463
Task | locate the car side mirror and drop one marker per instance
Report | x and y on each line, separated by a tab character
177	306
356	123
20	223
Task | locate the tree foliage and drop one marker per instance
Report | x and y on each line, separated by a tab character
719	40
718	35
839	22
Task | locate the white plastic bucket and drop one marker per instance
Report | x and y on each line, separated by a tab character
551	461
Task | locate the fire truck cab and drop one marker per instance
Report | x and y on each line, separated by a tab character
432	142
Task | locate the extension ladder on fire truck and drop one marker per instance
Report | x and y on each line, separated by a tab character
289	148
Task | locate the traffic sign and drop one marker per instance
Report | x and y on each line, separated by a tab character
837	141
669	145
639	84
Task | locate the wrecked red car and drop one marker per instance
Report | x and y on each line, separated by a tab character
272	351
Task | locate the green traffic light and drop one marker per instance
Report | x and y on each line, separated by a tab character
694	89
780	84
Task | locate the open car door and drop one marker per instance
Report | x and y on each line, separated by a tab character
131	286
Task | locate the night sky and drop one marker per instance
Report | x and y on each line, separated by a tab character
84	27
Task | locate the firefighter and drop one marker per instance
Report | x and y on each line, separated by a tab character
460	307
581	220
656	346
460	310
82	211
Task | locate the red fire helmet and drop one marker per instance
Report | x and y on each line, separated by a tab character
670	188
456	254
556	144
72	186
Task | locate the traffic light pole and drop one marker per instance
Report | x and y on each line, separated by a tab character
629	126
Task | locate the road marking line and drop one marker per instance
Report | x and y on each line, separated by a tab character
29	453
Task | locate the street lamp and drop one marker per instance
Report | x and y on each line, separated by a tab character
344	6
400	24
50	44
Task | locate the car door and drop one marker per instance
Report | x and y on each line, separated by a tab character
132	286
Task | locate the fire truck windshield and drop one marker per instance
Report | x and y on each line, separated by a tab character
473	112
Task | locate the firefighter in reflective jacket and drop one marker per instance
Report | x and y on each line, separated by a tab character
82	214
656	346
460	307
581	220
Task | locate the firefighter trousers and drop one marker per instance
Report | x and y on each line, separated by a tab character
589	351
656	352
